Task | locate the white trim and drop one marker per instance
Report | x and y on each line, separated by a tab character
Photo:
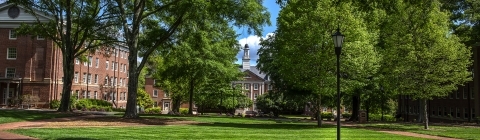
10	35
42	38
8	53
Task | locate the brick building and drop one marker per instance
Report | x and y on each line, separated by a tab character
33	65
255	83
462	105
159	96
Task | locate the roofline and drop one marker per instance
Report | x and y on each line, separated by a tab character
38	12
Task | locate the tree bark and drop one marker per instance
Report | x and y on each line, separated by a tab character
190	92
131	110
68	57
355	107
425	114
319	111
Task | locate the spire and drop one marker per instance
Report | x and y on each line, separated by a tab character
246	57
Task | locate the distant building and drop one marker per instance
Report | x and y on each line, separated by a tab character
462	105
255	83
160	97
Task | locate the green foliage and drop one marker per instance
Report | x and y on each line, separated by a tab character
73	101
118	109
378	117
153	110
346	115
143	98
92	103
184	111
271	102
54	104
327	115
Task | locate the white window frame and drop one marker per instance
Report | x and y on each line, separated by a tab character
84	78
11	51
255	86
106	64
77	61
88	94
95	93
14	34
10	74
39	37
247	86
121	82
75	77
89	78
255	95
96	62
96	78
155	93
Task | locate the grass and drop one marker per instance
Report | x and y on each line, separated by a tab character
215	127
461	132
7	116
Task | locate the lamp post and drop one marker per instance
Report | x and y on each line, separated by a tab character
338	41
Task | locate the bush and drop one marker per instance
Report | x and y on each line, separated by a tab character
327	115
89	103
118	109
54	104
184	111
153	110
378	117
346	115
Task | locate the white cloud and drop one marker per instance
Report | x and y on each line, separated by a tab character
254	44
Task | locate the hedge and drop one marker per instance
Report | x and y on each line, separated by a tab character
153	110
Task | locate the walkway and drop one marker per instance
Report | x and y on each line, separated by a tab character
40	123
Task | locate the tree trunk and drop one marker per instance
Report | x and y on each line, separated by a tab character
131	110
68	57
176	105
425	115
367	109
420	113
355	107
319	111
190	92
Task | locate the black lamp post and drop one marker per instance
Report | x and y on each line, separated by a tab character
338	41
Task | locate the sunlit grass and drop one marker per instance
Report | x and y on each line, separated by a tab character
7	116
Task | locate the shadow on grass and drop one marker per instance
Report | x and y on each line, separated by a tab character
29	115
264	126
75	138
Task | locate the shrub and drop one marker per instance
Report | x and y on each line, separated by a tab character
378	117
89	103
54	104
184	111
327	115
118	109
346	115
153	110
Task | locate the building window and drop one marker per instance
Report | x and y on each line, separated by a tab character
95	94
439	111
77	61
113	65
166	95
445	112
96	78
88	94
465	113
85	63
90	61
473	112
96	62
255	96
89	78
457	94
121	82
247	86
111	81
465	94
84	94
451	112
255	86
84	78
39	37
106	80
116	81
433	113
77	94
458	112
106	65
10	72
11	53
75	77
155	93
12	34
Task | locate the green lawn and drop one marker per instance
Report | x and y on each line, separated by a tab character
462	132
7	116
214	128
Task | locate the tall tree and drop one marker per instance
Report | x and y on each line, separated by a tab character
302	51
76	26
163	17
423	59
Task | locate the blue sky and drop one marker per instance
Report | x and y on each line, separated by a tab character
253	40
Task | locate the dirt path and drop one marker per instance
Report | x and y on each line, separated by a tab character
103	121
